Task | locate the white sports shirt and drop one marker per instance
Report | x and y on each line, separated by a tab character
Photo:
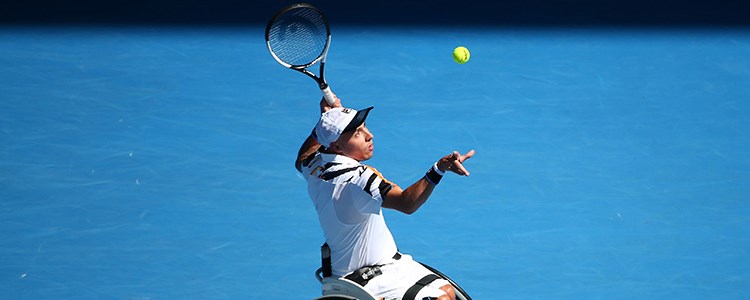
348	198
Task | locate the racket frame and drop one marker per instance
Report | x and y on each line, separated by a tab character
320	78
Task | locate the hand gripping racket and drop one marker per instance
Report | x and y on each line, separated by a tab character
298	37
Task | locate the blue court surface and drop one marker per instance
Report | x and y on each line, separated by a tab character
157	162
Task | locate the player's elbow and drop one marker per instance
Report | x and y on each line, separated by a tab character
402	201
408	209
401	206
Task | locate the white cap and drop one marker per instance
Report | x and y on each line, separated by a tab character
337	121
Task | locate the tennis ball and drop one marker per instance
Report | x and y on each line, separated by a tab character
461	54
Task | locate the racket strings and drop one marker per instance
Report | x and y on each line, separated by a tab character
298	37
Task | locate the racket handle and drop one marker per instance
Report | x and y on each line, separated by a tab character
328	94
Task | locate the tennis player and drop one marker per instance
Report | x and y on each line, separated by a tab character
349	197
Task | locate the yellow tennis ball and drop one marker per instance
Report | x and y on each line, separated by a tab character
461	54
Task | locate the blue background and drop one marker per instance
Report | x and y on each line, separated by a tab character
150	157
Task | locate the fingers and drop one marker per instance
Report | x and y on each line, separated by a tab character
468	155
338	102
324	106
456	160
458	168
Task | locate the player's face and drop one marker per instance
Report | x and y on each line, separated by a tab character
357	144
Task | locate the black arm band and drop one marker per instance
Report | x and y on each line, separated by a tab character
433	176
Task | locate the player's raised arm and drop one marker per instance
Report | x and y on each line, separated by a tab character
310	145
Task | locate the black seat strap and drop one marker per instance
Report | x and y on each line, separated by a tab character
412	292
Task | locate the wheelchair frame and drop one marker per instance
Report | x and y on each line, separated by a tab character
345	289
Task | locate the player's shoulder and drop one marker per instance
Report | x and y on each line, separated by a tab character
373	182
310	161
373	173
347	170
329	167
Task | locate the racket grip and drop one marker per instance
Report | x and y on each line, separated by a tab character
328	95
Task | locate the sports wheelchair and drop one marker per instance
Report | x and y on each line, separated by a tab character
344	289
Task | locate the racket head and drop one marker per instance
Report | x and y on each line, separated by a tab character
298	36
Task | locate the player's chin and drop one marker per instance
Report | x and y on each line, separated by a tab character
368	154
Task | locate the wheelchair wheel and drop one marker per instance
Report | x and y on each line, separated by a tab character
336	297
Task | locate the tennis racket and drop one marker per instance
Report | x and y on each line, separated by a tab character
298	37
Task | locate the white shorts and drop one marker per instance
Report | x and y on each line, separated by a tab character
399	276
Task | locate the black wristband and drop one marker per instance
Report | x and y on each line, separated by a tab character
433	176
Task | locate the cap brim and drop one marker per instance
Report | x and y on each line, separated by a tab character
359	118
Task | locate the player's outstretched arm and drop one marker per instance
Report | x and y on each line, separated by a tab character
411	199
